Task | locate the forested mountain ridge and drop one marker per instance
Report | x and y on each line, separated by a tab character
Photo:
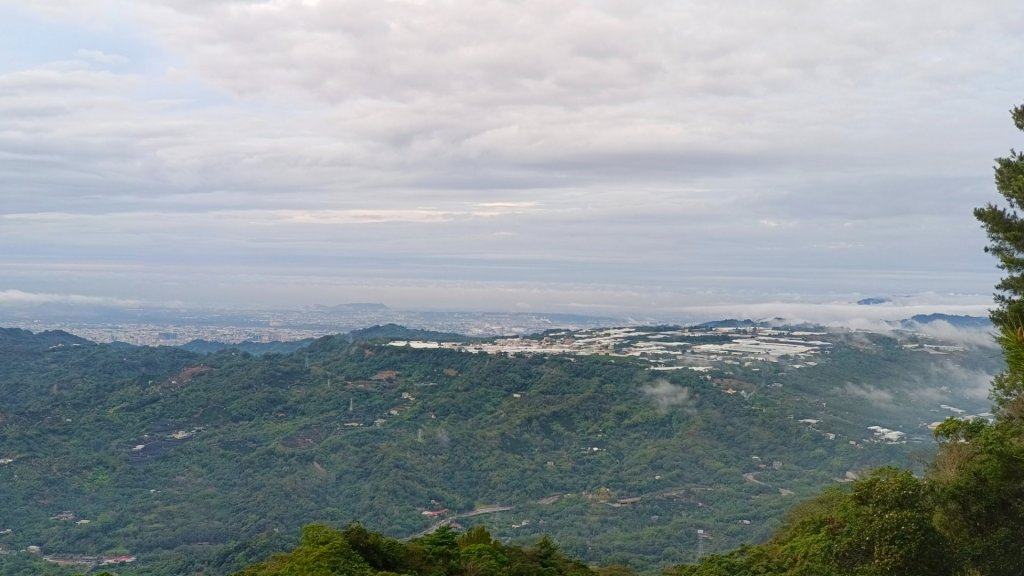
168	455
20	339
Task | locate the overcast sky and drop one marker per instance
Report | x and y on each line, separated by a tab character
586	156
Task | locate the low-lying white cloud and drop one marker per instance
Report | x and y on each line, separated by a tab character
973	384
849	313
942	330
667	395
18	297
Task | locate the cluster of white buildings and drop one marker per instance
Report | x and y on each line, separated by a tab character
695	348
880	434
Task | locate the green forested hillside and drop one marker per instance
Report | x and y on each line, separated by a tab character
202	463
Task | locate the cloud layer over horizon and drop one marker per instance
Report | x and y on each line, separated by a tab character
574	155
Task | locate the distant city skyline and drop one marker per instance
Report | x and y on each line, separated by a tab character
667	158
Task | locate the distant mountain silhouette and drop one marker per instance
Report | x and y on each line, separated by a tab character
873	301
396	332
729	323
979	322
27	340
254	348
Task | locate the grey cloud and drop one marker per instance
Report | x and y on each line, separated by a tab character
667	150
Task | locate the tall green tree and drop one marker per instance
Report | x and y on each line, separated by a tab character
1004	224
977	478
1005	227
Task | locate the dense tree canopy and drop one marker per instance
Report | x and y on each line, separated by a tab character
355	551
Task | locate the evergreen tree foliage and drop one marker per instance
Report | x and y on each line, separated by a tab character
978	475
1004	225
